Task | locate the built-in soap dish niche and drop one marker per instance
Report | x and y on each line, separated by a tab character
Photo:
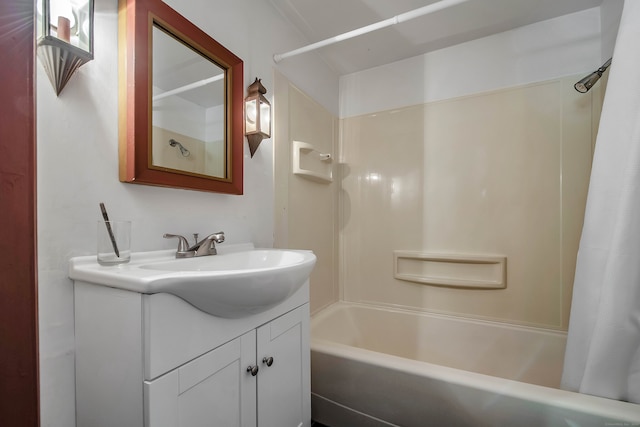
451	270
312	164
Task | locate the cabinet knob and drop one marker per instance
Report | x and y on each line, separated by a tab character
253	370
268	360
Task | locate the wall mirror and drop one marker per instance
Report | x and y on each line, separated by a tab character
181	102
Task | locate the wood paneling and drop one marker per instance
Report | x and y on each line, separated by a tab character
18	268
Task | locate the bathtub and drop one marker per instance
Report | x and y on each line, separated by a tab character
373	366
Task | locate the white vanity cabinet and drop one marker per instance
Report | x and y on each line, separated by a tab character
283	378
219	388
156	361
211	390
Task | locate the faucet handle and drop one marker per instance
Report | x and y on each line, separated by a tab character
182	243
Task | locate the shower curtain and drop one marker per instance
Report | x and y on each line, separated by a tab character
603	347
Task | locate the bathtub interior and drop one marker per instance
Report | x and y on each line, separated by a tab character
368	369
529	355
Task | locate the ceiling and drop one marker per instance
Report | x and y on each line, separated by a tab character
321	19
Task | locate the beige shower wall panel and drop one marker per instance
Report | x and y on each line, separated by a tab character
306	211
501	173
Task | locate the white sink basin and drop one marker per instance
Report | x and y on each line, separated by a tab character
234	284
255	259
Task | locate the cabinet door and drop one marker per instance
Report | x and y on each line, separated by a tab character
213	390
284	387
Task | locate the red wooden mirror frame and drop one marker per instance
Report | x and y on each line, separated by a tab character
135	21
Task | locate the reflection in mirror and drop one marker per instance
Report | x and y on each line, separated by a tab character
188	109
181	102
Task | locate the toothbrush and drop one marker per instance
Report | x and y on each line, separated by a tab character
109	230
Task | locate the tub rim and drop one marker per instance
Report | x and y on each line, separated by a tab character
564	399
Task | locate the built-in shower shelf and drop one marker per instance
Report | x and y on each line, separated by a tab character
451	270
312	164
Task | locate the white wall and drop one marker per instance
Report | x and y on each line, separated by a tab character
78	168
557	47
610	14
182	116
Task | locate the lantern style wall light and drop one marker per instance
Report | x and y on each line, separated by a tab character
257	111
65	37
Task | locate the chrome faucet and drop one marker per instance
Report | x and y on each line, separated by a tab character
206	246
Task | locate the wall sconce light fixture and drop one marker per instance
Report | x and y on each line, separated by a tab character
257	112
65	37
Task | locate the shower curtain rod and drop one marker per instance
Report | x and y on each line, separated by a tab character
190	86
403	17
